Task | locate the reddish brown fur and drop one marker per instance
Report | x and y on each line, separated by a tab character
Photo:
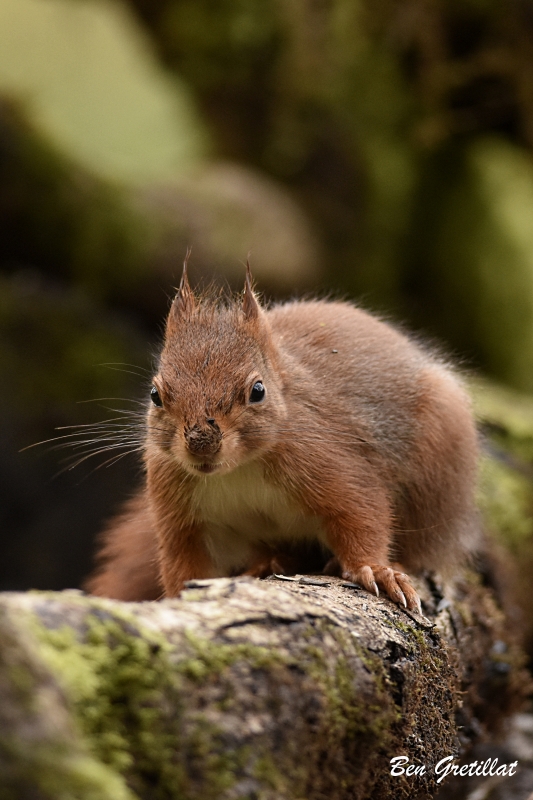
361	430
128	556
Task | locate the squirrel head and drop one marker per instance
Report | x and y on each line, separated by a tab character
217	397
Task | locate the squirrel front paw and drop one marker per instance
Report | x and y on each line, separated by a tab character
396	585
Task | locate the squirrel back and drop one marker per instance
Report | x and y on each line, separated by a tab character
309	424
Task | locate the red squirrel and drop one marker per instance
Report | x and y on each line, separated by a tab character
311	421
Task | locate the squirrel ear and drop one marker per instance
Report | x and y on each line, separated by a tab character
184	301
250	306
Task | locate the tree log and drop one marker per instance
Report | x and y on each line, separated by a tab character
303	688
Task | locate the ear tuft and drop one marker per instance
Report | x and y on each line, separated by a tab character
250	306
184	302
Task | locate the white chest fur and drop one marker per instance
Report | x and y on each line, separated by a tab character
241	509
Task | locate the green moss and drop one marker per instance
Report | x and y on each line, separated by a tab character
505	494
119	685
22	679
267	772
402	626
507	416
126	686
212	658
413	633
126	695
505	498
366	719
207	661
61	775
53	763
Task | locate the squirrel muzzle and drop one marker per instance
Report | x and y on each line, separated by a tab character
204	440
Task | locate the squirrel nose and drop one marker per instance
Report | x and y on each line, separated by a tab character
204	441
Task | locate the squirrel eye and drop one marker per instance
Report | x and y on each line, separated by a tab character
258	392
154	396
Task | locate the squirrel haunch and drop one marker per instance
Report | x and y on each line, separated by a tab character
307	424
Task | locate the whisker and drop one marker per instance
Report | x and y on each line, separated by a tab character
53	439
85	432
79	459
127	429
118	422
116	366
125	364
115	442
118	399
89	424
99	434
125	412
114	458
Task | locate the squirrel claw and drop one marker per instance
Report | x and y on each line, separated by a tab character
396	585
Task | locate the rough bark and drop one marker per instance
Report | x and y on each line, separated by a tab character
241	688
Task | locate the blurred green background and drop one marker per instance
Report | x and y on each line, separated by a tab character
379	149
